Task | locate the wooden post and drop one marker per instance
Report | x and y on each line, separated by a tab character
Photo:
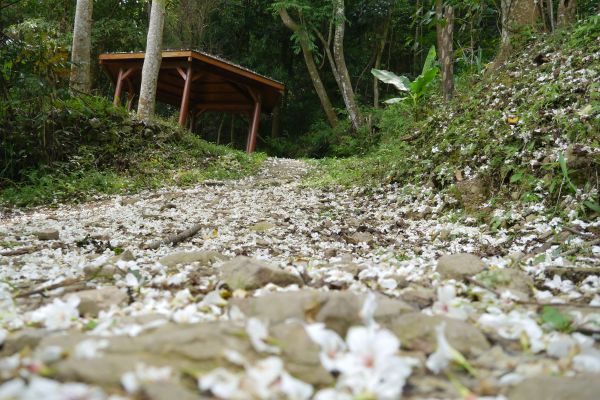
254	125
118	89
185	100
130	94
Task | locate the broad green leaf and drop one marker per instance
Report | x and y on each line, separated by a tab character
422	81
556	319
565	171
400	82
516	177
429	61
592	205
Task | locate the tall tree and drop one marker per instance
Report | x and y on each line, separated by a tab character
152	60
567	10
339	12
80	52
515	14
379	54
313	71
445	41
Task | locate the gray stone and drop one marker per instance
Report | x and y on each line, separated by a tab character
300	353
360	237
19	340
188	257
581	387
514	280
459	266
249	274
419	296
262	226
96	300
47	234
416	331
129	201
167	391
330	253
338	310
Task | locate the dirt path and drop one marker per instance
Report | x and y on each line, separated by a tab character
233	311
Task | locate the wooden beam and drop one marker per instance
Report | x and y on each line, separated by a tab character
118	88
185	100
223	107
251	145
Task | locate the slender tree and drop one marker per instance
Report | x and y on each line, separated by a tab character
80	52
340	63
379	54
313	71
445	40
152	60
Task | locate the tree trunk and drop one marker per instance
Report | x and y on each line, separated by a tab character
567	10
311	66
445	39
340	61
80	52
515	14
152	61
380	49
550	7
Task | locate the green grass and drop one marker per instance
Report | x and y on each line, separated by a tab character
109	153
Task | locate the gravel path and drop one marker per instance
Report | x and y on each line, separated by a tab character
284	291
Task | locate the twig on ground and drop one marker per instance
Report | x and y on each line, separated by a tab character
20	251
529	303
577	249
66	282
175	239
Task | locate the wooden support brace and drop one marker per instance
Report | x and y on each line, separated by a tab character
185	100
254	125
118	88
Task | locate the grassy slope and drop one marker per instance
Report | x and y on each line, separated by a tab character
102	150
557	108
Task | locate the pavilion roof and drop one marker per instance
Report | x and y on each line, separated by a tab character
217	84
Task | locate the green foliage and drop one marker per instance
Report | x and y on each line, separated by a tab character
415	89
556	319
516	157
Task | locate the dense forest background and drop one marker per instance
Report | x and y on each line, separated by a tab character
393	35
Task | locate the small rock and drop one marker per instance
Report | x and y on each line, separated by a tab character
102	271
330	253
445	234
581	387
249	274
416	331
47	234
167	391
360	237
129	201
188	257
514	280
419	296
96	300
19	340
459	266
262	226
338	310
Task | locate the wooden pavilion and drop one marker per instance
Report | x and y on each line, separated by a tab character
197	82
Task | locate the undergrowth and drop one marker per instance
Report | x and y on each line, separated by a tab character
80	147
508	129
